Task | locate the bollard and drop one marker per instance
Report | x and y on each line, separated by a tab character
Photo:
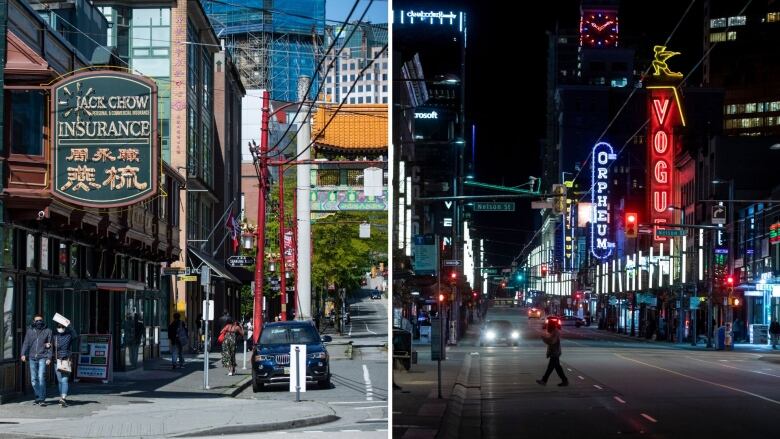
244	362
297	375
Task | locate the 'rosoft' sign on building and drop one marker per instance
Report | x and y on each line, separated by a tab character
104	139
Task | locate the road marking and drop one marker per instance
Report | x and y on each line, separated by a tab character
348	402
734	367
617	398
350	328
702	380
371	407
349	431
597	386
367	379
313	431
580	377
375	420
648	417
369	329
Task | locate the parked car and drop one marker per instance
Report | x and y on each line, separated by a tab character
499	331
534	313
572	321
271	358
552	320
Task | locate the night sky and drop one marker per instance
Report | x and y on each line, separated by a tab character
508	144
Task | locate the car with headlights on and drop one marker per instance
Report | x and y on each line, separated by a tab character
499	332
534	313
271	356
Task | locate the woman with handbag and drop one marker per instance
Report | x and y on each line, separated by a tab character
62	341
228	337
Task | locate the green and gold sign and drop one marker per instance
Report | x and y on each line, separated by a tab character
105	139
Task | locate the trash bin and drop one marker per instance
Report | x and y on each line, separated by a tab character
720	338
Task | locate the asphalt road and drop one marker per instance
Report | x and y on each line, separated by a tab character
621	388
358	394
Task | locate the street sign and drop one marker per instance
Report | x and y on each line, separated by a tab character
172	271
453	262
718	214
190	278
541	204
241	261
507	206
205	276
670	232
210	309
490	271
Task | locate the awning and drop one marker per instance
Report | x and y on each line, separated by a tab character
218	269
119	285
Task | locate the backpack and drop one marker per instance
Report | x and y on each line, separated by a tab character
181	334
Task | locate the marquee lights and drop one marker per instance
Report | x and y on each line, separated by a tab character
665	114
602	157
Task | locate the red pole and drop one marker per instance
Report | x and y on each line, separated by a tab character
282	268
261	195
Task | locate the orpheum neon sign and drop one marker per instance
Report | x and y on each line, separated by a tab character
602	156
665	114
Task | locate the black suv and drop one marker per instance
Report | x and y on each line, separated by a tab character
271	358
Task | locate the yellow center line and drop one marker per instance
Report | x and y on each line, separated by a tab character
733	367
700	380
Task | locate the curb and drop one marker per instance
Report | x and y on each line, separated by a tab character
240	386
463	415
261	428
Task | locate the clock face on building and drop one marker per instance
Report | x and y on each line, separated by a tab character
599	29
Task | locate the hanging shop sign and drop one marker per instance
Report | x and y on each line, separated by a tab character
665	114
105	147
774	233
600	245
325	200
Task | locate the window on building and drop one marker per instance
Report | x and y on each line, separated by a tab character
343	78
7	292
384	76
27	121
621	82
717	37
344	90
731	36
351	100
150	40
718	22
368	87
360	88
773	120
384	88
329	90
731	109
773	106
773	17
368	76
328	177
368	99
750	107
327	79
739	20
352	78
360	100
384	99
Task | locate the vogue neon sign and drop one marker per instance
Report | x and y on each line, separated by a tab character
602	156
664	109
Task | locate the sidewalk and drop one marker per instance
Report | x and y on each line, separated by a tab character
417	411
160	402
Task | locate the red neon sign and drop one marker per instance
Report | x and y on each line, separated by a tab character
665	114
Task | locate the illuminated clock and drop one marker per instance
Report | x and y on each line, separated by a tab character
599	29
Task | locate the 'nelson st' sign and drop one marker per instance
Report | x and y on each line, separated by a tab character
105	139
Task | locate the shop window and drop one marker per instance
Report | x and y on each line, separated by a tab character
7	292
27	122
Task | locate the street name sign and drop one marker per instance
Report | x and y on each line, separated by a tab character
670	232
452	262
241	261
507	206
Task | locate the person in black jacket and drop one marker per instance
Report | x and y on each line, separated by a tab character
774	332
553	342
62	340
177	334
37	348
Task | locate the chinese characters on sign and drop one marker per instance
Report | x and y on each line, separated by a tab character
603	155
105	139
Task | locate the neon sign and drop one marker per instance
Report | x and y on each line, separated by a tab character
434	17
431	115
603	155
664	109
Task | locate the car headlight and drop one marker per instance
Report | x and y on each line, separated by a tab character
322	355
490	335
515	334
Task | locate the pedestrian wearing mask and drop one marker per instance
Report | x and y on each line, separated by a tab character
37	348
62	341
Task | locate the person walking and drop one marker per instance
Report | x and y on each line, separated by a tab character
774	332
736	330
553	341
36	347
62	340
177	335
229	336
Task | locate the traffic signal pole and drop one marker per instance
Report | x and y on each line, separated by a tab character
257	322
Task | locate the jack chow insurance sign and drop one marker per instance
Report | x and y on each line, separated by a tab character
105	139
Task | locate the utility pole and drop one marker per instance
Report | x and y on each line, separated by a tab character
303	207
261	198
282	247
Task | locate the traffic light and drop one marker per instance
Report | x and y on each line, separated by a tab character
631	225
519	276
441	298
729	281
474	295
543	269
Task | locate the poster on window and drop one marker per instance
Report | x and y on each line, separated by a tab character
94	358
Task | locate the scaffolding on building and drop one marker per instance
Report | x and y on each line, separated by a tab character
274	42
